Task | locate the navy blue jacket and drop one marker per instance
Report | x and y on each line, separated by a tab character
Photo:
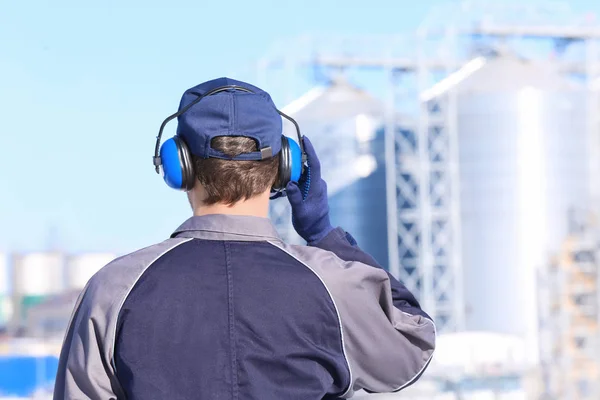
225	310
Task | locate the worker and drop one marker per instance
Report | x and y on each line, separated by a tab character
223	308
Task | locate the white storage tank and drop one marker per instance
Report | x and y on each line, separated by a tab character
35	277
522	149
81	267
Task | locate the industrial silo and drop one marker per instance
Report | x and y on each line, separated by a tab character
342	122
522	165
360	207
81	267
36	276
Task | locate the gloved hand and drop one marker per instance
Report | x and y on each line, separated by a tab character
308	198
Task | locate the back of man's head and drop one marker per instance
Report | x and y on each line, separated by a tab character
234	137
227	181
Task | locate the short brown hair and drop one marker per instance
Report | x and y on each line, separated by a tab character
230	181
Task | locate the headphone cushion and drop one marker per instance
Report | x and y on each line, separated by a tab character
177	168
290	163
295	161
171	164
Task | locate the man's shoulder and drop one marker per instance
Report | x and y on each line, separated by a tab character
313	257
333	269
116	278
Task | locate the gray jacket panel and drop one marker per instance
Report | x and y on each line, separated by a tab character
386	348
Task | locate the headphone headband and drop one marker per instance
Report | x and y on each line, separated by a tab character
157	160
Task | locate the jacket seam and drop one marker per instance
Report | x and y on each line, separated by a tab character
336	311
231	317
114	343
258	237
427	362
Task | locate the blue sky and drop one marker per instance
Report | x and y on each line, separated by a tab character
83	89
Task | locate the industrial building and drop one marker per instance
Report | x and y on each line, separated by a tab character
519	175
38	293
490	133
41	288
36	277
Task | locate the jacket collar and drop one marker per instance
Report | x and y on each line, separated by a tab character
228	227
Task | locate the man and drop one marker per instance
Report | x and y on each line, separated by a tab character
224	309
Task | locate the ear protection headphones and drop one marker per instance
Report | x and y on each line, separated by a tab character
174	158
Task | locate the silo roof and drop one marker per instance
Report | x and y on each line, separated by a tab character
509	72
329	116
338	100
505	72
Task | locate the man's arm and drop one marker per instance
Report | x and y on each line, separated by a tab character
83	373
388	340
345	247
386	347
86	367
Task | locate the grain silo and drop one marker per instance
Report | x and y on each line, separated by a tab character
522	165
36	276
79	268
342	122
360	207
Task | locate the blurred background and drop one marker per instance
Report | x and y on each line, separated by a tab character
460	142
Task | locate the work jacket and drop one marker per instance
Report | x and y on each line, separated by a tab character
225	310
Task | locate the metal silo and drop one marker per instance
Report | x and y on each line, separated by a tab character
522	166
360	207
35	277
81	267
343	123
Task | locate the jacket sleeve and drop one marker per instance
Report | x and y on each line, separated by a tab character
388	339
86	368
83	372
343	245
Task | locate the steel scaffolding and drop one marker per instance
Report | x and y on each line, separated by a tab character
423	187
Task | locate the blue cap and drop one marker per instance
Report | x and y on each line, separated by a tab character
230	113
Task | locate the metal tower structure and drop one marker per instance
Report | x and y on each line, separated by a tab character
423	188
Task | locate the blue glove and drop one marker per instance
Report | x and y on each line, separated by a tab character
308	198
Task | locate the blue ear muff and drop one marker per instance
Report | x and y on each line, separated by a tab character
290	163
171	166
177	168
295	160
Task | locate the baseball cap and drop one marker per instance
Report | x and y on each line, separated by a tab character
230	113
